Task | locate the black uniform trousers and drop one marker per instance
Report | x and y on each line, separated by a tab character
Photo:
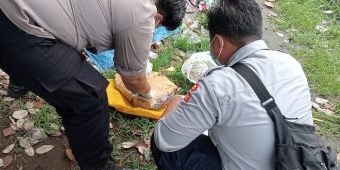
60	75
200	154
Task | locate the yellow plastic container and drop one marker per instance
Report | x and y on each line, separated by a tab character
117	101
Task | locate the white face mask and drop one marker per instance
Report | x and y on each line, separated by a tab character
216	60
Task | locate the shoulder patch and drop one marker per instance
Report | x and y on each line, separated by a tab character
192	89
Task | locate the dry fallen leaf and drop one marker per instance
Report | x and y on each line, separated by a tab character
179	52
171	69
28	125
8	99
69	154
35	135
329	106
20	123
315	105
7	161
32	111
24	143
43	149
14	127
269	4
280	34
271	14
12	120
142	147
127	145
29	151
3	92
137	132
321	101
9	148
8	131
38	104
29	105
20	114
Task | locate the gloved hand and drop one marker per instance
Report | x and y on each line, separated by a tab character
148	95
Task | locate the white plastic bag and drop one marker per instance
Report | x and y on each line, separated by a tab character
197	64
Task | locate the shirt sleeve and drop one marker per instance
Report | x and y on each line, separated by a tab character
132	49
194	115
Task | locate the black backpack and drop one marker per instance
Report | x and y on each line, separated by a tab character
296	145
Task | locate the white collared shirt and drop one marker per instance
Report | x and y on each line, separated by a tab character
225	104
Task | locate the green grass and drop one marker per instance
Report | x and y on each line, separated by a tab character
47	119
128	129
319	52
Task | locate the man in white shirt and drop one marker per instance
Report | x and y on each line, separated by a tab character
241	134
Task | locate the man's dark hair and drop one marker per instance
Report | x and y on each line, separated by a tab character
173	12
236	20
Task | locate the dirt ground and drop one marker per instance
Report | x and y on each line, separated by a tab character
56	159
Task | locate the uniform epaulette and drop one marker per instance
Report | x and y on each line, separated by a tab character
209	71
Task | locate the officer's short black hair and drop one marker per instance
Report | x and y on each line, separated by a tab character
235	19
173	12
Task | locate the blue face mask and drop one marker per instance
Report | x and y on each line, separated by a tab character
216	60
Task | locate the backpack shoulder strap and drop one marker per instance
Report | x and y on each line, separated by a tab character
267	101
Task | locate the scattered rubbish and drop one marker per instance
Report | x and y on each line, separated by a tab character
322	109
322	27
162	32
102	61
171	69
271	14
321	101
197	64
269	4
148	67
279	34
152	55
328	12
286	40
